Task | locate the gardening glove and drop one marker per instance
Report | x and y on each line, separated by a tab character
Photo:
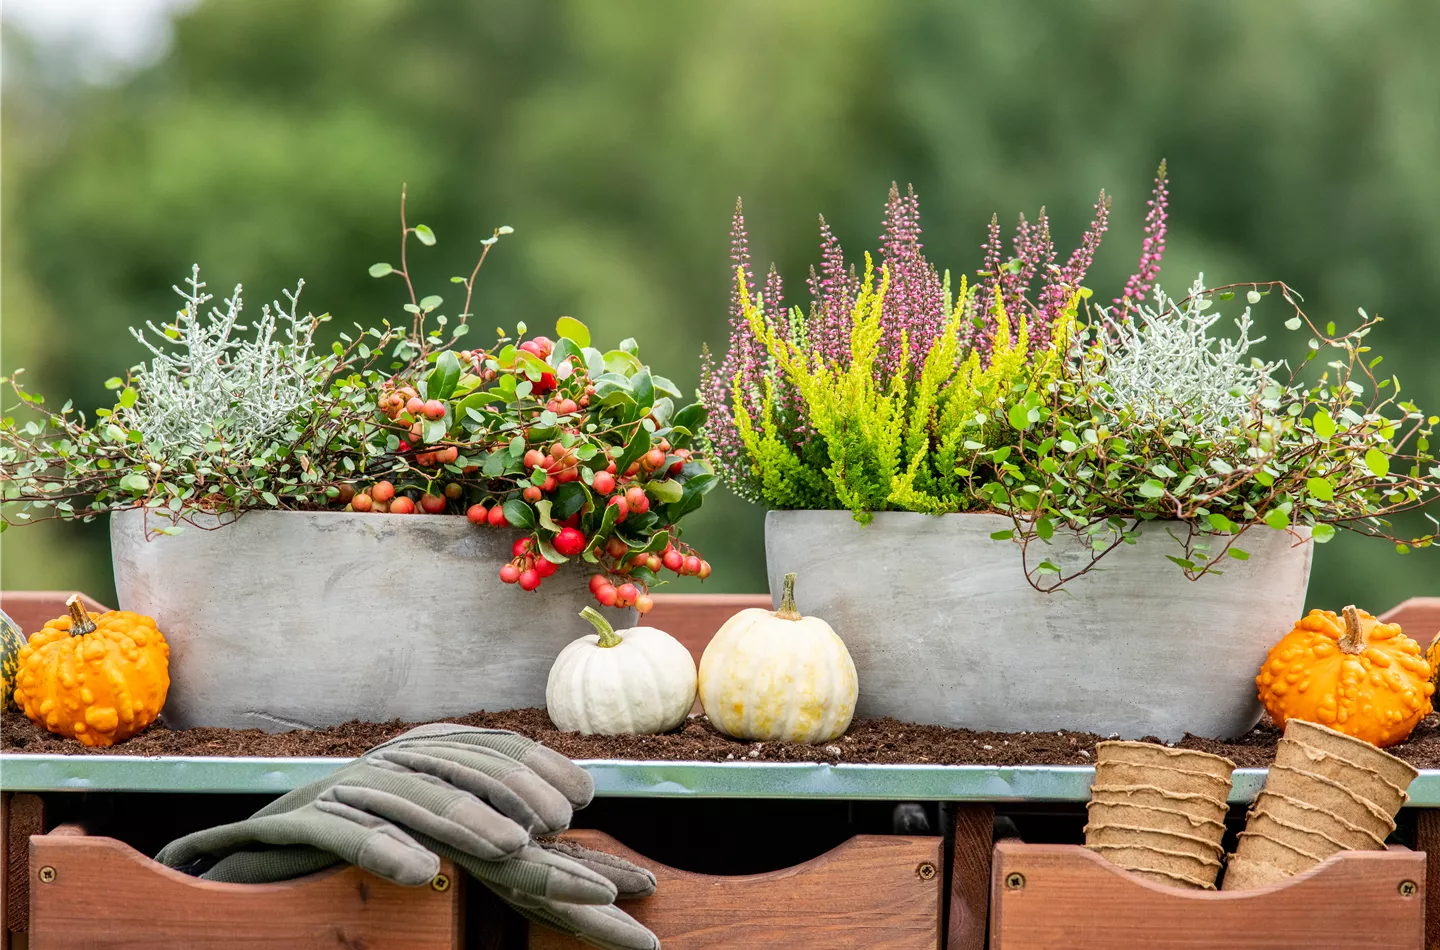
475	796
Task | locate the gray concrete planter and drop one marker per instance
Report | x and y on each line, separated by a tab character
281	620
944	628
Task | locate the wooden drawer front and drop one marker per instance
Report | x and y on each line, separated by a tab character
877	892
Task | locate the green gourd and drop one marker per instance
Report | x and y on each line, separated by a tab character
11	640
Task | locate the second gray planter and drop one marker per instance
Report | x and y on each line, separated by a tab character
285	620
944	628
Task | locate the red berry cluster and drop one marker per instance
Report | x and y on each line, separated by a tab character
636	593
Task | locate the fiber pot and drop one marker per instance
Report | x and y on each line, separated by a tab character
944	628
280	620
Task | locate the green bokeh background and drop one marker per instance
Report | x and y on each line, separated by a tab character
270	143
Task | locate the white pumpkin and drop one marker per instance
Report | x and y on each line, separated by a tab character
775	675
608	684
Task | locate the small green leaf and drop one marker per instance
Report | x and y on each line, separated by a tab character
430	302
1005	535
1321	533
1277	519
270	499
1323	425
1019	417
519	514
135	482
381	269
114	382
571	329
1293	323
1045	528
128	397
667	491
1378	463
1239	554
1151	488
426	236
543	508
1320	488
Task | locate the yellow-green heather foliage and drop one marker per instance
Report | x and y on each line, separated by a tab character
892	444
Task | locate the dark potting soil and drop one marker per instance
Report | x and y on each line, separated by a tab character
884	741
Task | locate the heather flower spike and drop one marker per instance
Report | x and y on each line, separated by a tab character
1152	248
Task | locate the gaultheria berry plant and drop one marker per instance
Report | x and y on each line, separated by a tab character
896	391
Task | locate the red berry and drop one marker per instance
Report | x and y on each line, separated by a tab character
643	603
632	470
383	491
402	506
607	595
704	571
675	468
496	518
639	560
619	502
533	458
604	482
569	542
571	522
454	490
597	581
361	502
521	547
416	406
654	459
692	565
531	493
568	406
425	458
544	567
529	580
549	485
546	347
674	560
616	547
347	493
447	455
544	384
432	504
509	573
653	563
404	447
477	514
610	468
434	409
625	595
558	450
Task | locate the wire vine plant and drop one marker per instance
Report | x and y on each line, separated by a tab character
1309	454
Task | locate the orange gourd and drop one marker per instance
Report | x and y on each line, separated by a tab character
1356	675
98	680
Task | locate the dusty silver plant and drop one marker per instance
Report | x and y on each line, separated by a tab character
210	382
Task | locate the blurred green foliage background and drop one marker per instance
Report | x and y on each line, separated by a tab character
271	141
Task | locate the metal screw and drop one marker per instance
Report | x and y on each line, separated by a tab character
926	871
1408	888
440	882
47	875
1014	880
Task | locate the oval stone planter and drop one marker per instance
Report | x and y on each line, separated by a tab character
944	628
280	620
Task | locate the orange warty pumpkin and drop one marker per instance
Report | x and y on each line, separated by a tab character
1356	675
98	680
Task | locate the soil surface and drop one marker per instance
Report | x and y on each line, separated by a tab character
886	741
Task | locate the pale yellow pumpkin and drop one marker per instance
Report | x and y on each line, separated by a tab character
775	675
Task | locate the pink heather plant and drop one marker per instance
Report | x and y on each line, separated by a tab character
915	310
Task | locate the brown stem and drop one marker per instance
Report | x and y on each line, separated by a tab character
787	609
1354	640
80	622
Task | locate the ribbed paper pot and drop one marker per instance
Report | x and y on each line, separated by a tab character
1360	780
1307	816
1123	650
1197	872
1289	833
1329	796
1147	754
1196	805
1138	837
1243	875
1174	780
280	620
1254	846
1155	819
1394	770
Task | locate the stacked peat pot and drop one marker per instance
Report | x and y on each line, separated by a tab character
1159	812
1327	792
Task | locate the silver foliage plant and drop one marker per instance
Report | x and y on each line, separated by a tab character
210	382
1161	363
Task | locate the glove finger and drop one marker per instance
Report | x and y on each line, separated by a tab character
605	925
456	818
506	785
350	835
544	875
275	864
630	879
568	778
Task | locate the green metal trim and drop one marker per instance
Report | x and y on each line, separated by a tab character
620	779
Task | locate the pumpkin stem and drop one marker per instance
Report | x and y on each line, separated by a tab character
608	636
1354	640
787	609
80	622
